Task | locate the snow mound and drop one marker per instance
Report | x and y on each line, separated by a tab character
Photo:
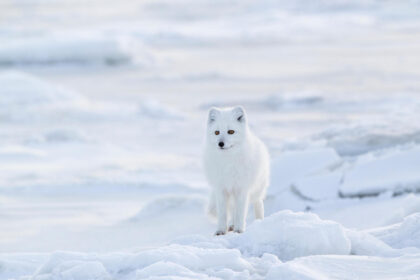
164	213
393	170
69	49
27	98
401	235
290	235
170	205
347	267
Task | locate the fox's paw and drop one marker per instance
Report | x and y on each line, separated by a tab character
220	232
239	231
230	228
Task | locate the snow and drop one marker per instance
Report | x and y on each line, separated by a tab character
103	110
286	244
286	235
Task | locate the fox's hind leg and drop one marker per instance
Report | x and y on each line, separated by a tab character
259	209
258	203
241	209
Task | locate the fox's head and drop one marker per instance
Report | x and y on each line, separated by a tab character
227	127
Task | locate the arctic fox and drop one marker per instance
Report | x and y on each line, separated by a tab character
237	167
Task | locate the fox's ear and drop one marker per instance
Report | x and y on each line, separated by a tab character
213	113
239	113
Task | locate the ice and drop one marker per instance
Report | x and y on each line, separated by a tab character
290	235
63	49
362	213
359	139
277	102
393	170
292	165
63	136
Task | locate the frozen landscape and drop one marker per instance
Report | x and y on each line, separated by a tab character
103	106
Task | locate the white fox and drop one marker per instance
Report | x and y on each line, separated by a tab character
237	167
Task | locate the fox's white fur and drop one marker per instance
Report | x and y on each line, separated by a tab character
238	172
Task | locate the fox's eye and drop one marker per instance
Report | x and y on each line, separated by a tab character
231	131
217	132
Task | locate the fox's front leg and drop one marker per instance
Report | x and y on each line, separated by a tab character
231	213
221	204
241	209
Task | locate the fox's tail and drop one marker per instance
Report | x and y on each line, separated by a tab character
211	207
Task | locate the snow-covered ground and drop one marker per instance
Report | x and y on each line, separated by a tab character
102	119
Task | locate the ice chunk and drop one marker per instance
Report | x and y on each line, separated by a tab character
293	165
396	170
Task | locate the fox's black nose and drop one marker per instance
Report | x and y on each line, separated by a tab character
221	144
